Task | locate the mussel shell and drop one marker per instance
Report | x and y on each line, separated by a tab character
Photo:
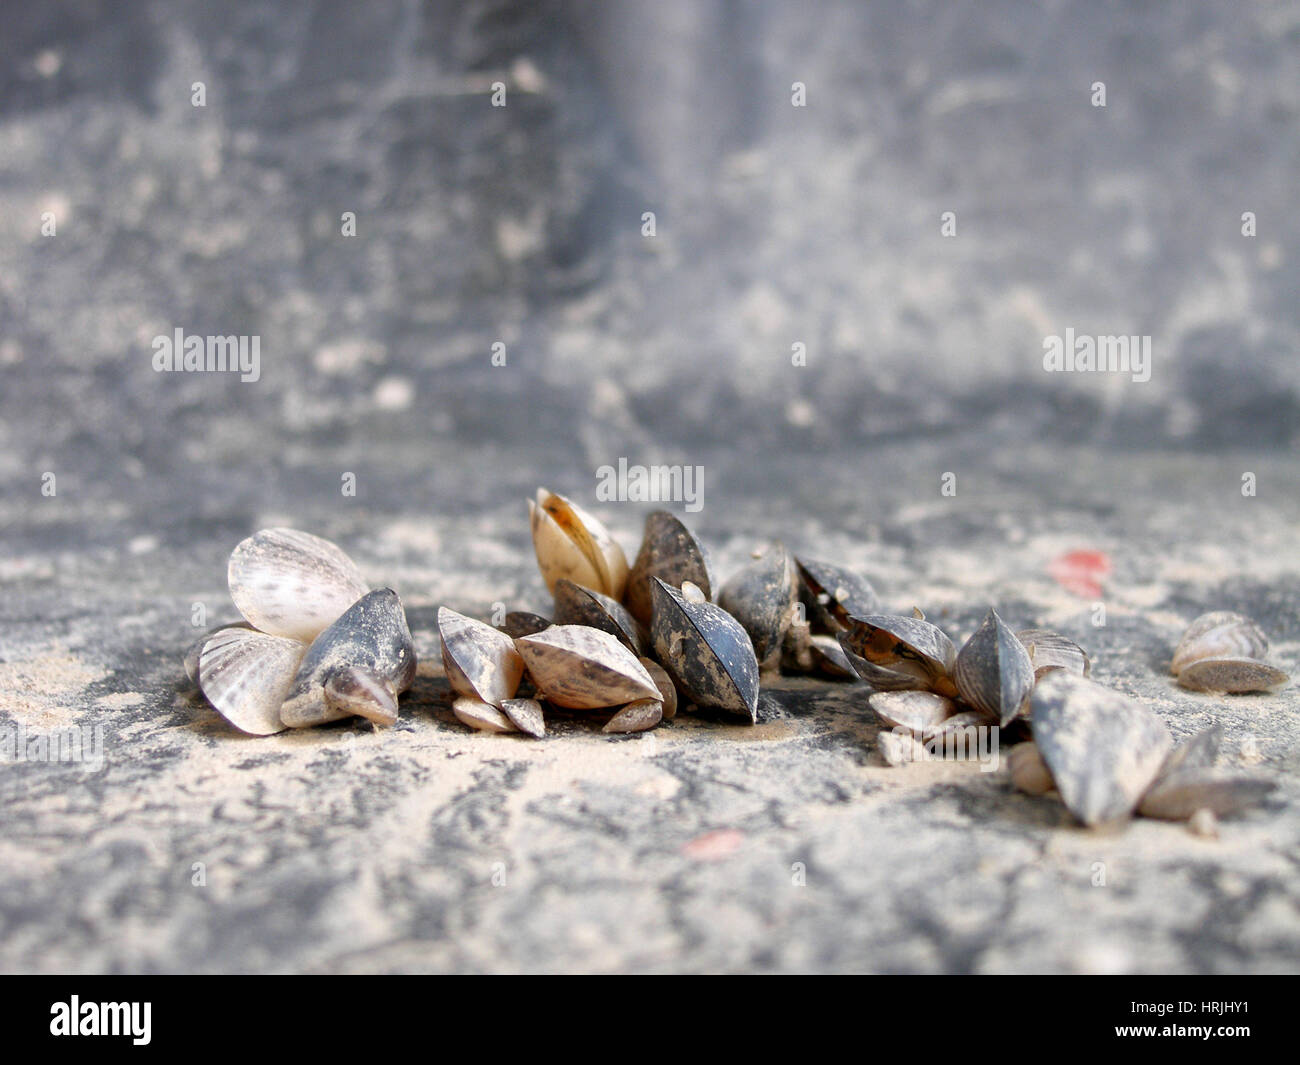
480	661
636	717
245	675
1234	676
1029	773
706	651
582	668
480	715
762	597
570	543
832	594
1050	650
669	551
525	715
1219	634
370	638
194	653
1199	751
917	711
828	657
1102	748
521	623
290	583
993	671
576	605
1179	795
901	652
667	689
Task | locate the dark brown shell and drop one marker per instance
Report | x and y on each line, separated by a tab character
706	651
576	605
831	595
669	551
762	597
993	671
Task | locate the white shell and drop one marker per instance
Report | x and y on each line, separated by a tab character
572	544
246	675
291	583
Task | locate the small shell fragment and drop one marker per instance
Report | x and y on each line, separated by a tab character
828	657
1181	794
480	715
525	715
706	651
1102	748
479	661
572	544
1050	650
667	689
291	583
636	717
669	551
1203	823
583	668
993	671
1029	773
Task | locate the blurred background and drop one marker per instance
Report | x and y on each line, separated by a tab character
522	224
127	212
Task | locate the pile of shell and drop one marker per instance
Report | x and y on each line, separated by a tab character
316	644
637	642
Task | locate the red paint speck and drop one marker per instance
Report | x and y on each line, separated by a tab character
1081	572
714	845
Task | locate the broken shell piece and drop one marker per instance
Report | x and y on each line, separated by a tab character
357	666
669	551
584	668
1231	675
832	594
1197	752
1029	773
993	671
576	605
525	715
636	717
246	674
521	623
667	689
918	711
571	543
479	660
1050	650
1102	748
762	597
1203	823
292	584
895	653
1219	634
706	651
1181	794
480	715
899	748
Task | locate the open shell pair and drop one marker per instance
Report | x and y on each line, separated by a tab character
1224	652
316	645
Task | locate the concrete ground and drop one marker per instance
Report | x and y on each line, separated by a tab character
787	846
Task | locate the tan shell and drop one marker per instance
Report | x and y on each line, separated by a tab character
480	715
572	544
1231	675
667	689
584	668
1029	773
1219	634
480	661
1050	650
525	715
918	711
636	717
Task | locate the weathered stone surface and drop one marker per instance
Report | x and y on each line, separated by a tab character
342	848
